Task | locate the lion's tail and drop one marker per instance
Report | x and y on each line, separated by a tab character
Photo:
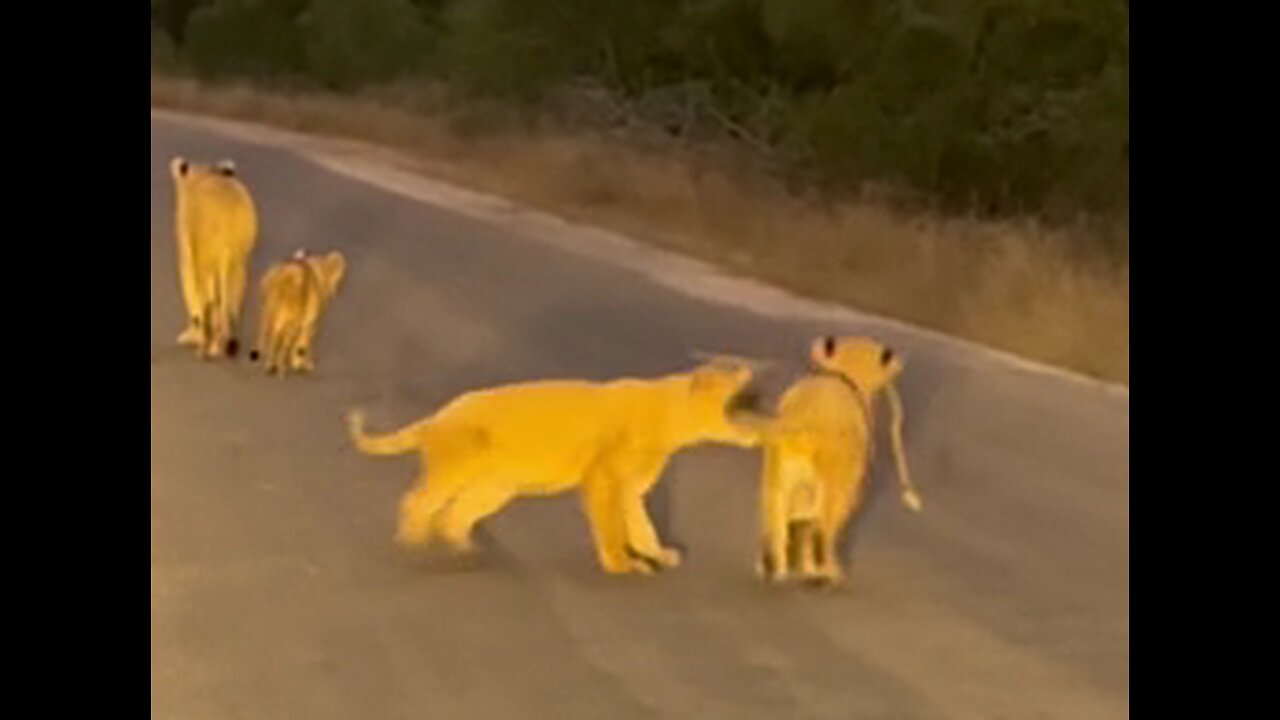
910	496
404	440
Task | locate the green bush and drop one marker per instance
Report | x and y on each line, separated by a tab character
163	52
1004	106
255	38
350	43
171	16
501	47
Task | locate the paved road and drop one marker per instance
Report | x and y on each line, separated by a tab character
276	590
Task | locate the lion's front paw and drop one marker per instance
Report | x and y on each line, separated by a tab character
643	566
615	563
649	564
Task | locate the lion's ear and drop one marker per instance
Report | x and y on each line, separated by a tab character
179	167
823	349
332	267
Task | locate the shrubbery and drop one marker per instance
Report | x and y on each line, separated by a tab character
1001	106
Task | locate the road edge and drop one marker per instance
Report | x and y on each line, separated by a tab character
389	170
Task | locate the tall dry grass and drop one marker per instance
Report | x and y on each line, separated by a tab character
1051	294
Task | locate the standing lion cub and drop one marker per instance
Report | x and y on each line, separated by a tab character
294	293
611	440
816	452
217	228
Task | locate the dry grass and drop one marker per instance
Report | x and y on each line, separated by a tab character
1012	285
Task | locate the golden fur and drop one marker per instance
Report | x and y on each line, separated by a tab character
611	440
817	449
293	295
217	227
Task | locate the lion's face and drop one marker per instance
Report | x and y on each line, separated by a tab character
867	363
723	397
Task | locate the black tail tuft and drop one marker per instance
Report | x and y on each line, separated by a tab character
233	347
253	355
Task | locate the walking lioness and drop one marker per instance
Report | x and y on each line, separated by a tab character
217	227
816	452
611	440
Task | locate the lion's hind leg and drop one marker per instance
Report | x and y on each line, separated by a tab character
773	563
840	501
472	504
455	457
806	539
193	333
420	509
282	339
235	280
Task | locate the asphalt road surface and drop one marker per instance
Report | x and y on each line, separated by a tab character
276	590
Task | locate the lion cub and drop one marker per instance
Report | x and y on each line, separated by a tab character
816	452
611	440
217	228
294	293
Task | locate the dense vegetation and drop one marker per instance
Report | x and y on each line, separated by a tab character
988	106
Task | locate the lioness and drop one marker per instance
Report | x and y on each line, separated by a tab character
816	452
217	227
611	439
294	293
